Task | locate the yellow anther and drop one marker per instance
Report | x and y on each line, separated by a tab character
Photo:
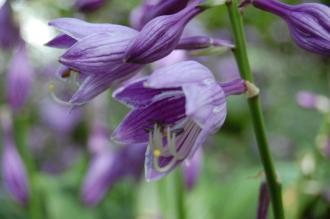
157	153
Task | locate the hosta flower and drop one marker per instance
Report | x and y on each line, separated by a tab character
309	23
97	52
13	169
9	32
175	109
151	9
160	36
19	79
108	166
88	5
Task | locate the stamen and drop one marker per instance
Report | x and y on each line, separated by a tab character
156	141
52	90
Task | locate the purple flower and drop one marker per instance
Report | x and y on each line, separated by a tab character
151	9
58	117
108	166
160	36
19	79
96	52
13	169
175	109
309	23
88	5
310	100
9	32
192	169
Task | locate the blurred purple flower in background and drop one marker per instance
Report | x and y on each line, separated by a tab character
309	23
108	165
13	169
192	169
179	105
310	100
88	5
9	32
60	118
19	78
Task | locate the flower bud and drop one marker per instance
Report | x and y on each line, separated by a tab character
309	23
13	169
19	79
9	32
160	36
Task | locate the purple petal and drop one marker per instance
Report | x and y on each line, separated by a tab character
134	128
61	41
97	52
95	84
179	74
136	95
79	29
206	104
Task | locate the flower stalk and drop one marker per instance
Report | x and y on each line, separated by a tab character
242	59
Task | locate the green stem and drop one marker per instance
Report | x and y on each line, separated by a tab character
241	56
180	195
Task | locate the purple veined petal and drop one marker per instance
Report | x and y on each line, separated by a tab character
135	94
264	201
159	37
79	29
19	79
206	104
95	84
61	41
192	169
88	5
134	128
99	52
179	74
96	181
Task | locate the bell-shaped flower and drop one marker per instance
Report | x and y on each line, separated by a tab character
160	36
13	169
309	23
174	109
19	79
9	32
88	5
